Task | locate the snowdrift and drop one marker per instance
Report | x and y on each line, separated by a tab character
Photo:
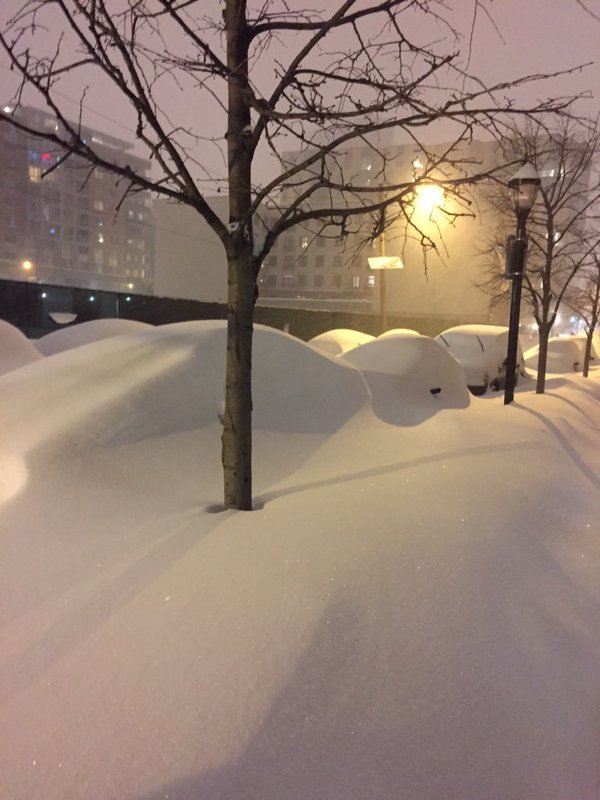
411	611
15	348
86	332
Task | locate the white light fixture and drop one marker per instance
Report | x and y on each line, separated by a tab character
385	262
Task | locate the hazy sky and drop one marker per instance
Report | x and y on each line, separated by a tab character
532	36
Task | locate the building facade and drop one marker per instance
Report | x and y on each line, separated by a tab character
63	223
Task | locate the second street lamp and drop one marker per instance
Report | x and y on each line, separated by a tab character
523	186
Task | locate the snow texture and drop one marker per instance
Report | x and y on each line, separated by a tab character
410	612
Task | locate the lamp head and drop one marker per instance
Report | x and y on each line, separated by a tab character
524	186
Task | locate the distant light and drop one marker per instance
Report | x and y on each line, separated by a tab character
27	265
44	295
7	110
417	164
128	299
92	298
573	319
130	285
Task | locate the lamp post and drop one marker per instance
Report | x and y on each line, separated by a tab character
382	262
523	186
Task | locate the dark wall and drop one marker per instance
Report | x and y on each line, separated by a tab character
29	306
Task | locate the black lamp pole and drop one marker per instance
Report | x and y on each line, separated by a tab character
524	186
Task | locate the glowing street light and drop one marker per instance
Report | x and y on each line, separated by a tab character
428	197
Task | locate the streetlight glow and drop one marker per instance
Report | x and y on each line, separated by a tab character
27	265
429	197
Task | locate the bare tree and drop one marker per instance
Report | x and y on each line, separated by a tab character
337	78
561	236
584	299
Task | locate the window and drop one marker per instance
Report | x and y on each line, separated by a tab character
319	262
321	242
271	280
288	244
371	280
302	261
338	261
271	261
100	238
288	280
336	281
35	174
98	205
304	242
289	262
356	281
301	281
318	281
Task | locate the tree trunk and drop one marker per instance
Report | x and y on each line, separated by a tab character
544	333
588	352
237	422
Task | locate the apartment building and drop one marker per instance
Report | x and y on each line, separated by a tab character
66	224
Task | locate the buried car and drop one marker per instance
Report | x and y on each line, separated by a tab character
481	349
410	377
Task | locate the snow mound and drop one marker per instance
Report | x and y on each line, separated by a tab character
410	377
564	355
481	349
580	340
339	340
15	348
86	332
398	332
170	379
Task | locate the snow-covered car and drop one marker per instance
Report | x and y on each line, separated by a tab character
481	349
339	340
410	377
565	354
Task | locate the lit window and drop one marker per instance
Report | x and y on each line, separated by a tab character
100	238
98	205
304	242
356	281
371	280
35	174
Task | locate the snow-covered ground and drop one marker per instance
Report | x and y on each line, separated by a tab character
411	612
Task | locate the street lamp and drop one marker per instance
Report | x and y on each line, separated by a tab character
523	186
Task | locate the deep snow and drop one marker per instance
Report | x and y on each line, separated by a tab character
411	612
